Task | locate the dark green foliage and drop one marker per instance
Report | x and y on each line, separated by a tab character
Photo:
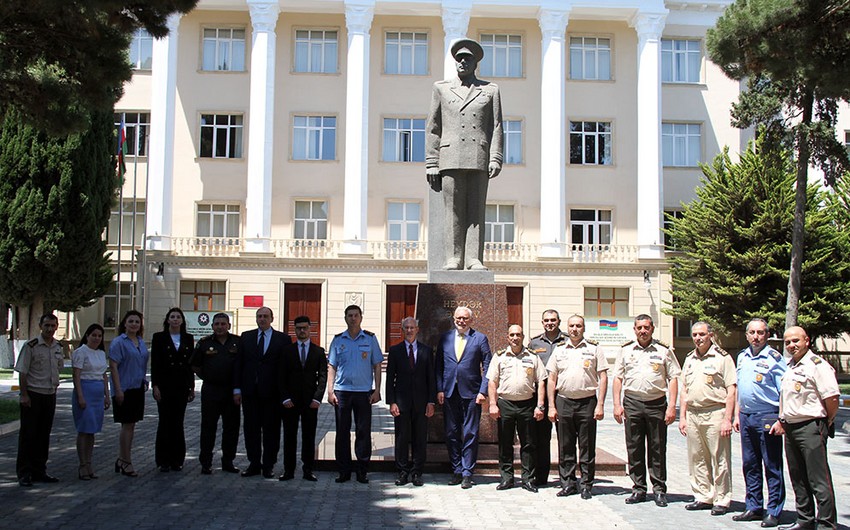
60	60
55	197
735	240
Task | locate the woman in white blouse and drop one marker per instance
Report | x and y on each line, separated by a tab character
91	395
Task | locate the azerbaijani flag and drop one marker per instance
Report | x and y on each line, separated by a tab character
122	149
610	325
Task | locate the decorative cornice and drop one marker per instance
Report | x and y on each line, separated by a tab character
455	19
553	22
358	17
649	26
263	14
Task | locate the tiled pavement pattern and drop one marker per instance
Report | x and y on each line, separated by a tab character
188	499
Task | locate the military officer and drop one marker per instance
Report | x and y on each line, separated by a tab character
213	361
542	346
645	371
808	404
515	376
578	382
707	404
760	371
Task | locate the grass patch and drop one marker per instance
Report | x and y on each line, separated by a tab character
10	410
6	373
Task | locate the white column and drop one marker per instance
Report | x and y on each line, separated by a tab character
160	182
455	24
258	203
358	20
649	27
553	131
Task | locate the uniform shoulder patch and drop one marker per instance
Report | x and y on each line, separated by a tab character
661	343
775	354
339	334
816	359
591	341
32	343
721	350
627	343
537	337
366	331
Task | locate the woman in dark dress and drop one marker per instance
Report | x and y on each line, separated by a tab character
173	385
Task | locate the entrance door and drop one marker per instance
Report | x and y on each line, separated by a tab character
303	299
401	302
515	306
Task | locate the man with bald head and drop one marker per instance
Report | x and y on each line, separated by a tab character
808	404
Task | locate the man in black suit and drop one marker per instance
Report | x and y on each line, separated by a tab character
303	376
411	393
255	387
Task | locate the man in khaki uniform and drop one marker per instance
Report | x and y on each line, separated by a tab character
38	365
707	405
644	372
578	382
515	376
808	404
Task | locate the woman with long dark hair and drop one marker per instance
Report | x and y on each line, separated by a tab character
128	362
91	395
173	387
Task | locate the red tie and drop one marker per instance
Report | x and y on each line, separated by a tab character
410	356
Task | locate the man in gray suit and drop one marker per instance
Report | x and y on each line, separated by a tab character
464	151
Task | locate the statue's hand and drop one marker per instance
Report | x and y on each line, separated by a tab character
432	174
495	169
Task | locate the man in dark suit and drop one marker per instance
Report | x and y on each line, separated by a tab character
303	376
463	356
463	151
255	387
411	393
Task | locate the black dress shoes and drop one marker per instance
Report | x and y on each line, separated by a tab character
770	521
505	485
343	477
362	478
230	468
585	494
308	475
798	526
251	472
749	515
529	486
456	479
661	500
286	476
164	469
637	497
719	510
466	483
697	505
566	492
417	480
402	479
268	474
47	479
206	470
25	482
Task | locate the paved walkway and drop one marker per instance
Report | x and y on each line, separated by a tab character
190	500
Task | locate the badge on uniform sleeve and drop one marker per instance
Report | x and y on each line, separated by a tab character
797	386
529	370
587	364
709	379
656	367
759	377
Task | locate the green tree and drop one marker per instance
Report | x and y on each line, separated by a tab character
55	198
795	55
60	60
735	243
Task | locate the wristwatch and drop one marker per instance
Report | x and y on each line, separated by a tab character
541	408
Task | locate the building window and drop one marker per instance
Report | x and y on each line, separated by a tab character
314	138
316	51
502	55
590	58
683	328
311	220
141	50
224	49
136	129
121	221
218	220
671	217
512	132
403	221
404	140
221	136
499	223
590	143
606	301
680	144
847	141
590	227
203	295
406	53
680	61
116	302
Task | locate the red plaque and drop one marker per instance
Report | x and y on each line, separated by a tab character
252	301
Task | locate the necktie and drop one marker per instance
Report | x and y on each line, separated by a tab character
460	344
410	356
261	345
303	354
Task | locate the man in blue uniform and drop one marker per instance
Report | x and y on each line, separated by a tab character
760	369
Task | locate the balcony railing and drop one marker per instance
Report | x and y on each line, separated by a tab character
320	249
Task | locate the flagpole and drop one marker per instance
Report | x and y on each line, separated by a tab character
143	264
133	224
122	148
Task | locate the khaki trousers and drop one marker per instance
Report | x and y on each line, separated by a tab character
709	457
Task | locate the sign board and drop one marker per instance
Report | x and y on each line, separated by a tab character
199	323
611	331
252	300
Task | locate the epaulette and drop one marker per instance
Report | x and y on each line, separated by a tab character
627	343
32	343
208	337
339	334
368	333
656	341
775	354
816	359
501	352
721	350
591	341
538	336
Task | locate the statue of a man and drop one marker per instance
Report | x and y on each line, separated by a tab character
463	151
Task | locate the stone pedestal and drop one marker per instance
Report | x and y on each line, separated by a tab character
435	306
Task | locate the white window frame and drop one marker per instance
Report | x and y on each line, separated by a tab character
502	55
497	228
596	232
321	51
126	211
400	135
412	45
228	49
681	144
512	134
136	131
591	51
408	221
601	133
141	50
109	300
219	221
232	130
211	295
316	131
669	244
679	59
313	224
